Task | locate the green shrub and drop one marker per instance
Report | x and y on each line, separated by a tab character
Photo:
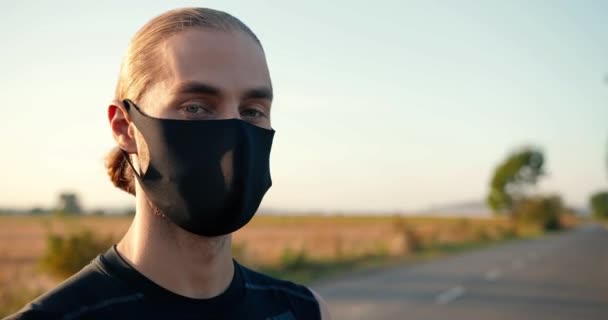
14	297
66	255
292	260
599	205
543	212
414	242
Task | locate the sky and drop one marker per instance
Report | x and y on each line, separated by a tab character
392	107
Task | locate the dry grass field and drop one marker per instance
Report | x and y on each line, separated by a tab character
266	242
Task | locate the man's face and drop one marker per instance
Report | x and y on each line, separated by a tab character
211	75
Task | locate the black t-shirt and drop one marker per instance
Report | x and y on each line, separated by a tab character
109	288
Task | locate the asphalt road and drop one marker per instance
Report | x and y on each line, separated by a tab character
560	276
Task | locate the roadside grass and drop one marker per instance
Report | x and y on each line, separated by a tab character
14	297
40	251
301	269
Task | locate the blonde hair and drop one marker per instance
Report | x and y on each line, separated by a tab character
140	68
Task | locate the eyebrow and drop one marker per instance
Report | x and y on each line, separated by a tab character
194	87
258	93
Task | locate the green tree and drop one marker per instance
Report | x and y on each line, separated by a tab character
69	203
599	204
511	178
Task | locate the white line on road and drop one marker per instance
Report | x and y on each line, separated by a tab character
493	275
450	295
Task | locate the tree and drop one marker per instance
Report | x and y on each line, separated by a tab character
69	203
37	211
511	178
599	204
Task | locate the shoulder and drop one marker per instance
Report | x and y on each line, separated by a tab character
261	282
322	305
31	314
296	295
86	287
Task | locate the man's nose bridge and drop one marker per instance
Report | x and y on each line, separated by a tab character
229	115
230	110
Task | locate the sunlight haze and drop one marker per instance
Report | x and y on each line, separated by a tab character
398	106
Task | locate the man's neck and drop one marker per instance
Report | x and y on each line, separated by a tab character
177	260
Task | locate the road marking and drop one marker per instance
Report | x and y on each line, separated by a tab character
518	264
450	295
493	274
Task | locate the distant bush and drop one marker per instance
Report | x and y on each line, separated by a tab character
540	211
66	255
599	205
13	297
292	259
409	240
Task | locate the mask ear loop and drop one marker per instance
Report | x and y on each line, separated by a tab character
127	103
128	158
154	208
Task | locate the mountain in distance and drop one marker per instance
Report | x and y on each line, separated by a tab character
474	209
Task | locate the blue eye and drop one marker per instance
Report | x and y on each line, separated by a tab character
252	113
194	108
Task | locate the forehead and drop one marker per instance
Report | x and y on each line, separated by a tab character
228	60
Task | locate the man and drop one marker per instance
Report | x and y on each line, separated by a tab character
191	118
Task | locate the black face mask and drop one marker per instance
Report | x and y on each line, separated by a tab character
206	176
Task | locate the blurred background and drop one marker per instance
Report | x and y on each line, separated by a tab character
408	133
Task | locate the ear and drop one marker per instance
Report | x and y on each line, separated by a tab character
122	130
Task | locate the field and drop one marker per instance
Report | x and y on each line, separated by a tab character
298	247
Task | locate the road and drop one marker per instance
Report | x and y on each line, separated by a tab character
559	276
